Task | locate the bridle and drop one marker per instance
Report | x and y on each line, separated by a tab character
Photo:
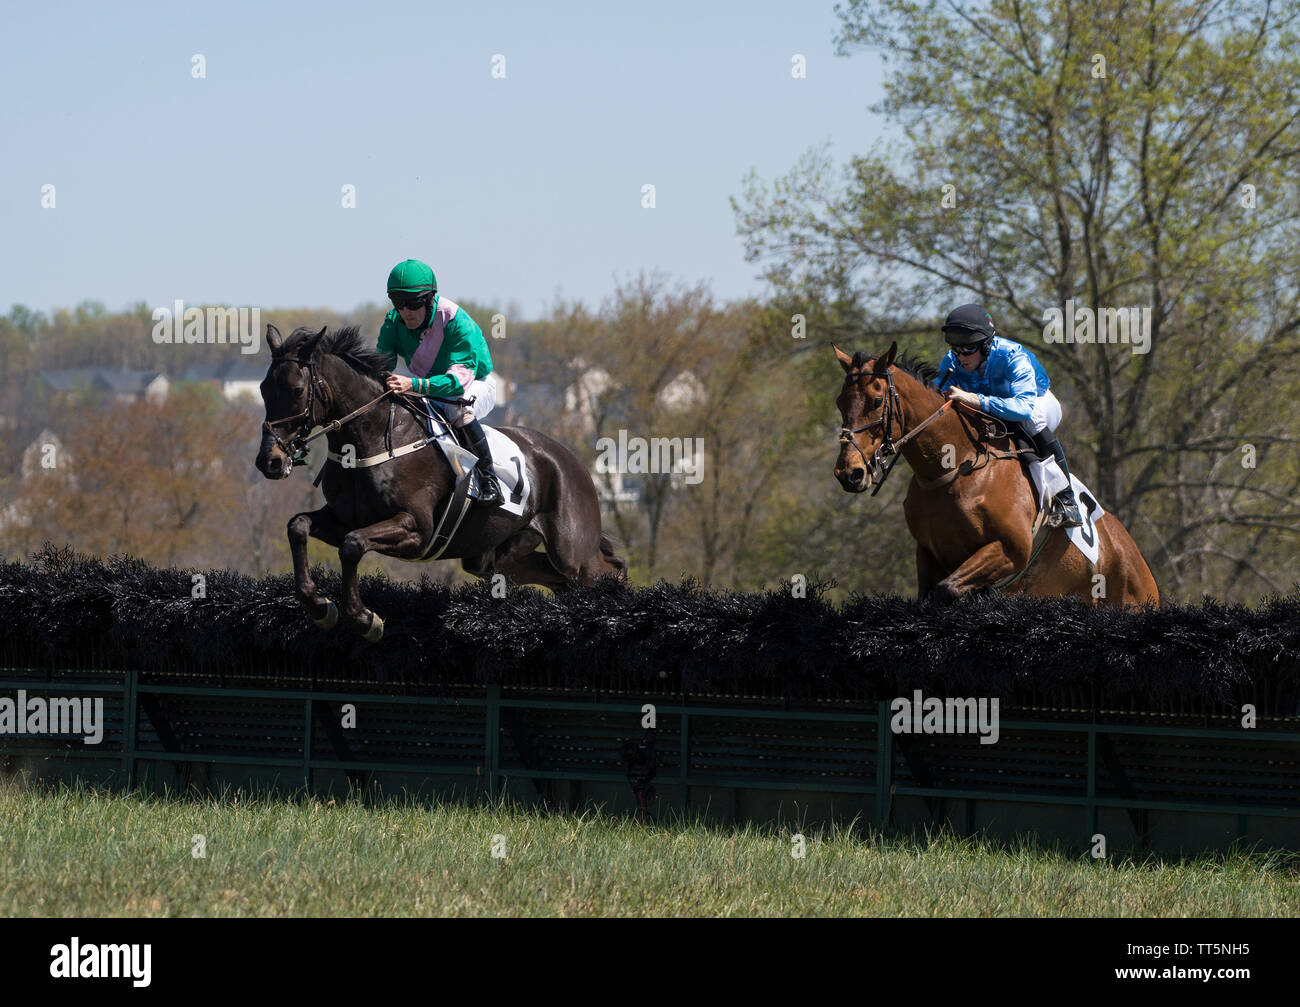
888	451
886	455
295	447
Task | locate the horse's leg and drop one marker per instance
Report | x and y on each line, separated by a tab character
534	568
615	565
989	564
573	547
321	524
398	536
928	572
518	559
1129	577
487	563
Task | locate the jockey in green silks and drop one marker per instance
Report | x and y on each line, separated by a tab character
445	350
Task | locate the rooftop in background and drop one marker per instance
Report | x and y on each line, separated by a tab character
116	380
227	370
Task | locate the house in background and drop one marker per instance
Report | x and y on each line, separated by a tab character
121	384
576	409
47	444
235	378
682	393
505	389
531	405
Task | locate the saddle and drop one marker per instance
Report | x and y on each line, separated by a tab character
1033	463
1021	441
1036	470
507	458
989	428
433	421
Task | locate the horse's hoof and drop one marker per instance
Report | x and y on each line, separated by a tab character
942	594
330	618
376	631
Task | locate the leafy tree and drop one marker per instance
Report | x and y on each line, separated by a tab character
1112	154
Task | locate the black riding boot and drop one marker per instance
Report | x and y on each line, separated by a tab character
489	488
1064	509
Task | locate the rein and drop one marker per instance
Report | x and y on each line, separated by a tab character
887	453
983	454
296	445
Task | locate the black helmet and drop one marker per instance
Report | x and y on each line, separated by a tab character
967	325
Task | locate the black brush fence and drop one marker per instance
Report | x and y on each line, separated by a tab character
1175	729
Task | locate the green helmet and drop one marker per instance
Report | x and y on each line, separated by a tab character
412	277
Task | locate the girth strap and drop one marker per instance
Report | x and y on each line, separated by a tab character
1041	532
458	504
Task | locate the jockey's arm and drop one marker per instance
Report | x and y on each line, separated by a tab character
1019	405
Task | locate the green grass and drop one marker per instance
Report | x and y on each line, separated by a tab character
79	853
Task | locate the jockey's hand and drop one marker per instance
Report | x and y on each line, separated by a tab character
398	383
961	395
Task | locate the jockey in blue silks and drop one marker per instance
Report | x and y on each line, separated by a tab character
1003	379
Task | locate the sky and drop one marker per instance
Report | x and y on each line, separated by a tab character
227	189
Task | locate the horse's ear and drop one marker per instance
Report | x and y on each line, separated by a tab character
845	360
309	347
274	339
887	361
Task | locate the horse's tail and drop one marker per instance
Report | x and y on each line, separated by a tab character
614	561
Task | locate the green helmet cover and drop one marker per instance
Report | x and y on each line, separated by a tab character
412	276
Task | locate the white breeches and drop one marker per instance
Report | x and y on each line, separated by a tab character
1046	414
484	394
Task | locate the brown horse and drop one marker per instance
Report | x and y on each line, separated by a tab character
972	518
393	507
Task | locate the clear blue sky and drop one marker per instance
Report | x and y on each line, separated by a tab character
227	190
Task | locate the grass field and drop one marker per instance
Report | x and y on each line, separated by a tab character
70	853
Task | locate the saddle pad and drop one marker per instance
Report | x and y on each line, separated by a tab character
507	461
1048	481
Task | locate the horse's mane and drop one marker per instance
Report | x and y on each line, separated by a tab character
919	369
348	344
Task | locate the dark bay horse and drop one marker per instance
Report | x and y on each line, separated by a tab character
973	518
393	507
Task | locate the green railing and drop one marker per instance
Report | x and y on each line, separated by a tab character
1263	765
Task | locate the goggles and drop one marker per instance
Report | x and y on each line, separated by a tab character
409	301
